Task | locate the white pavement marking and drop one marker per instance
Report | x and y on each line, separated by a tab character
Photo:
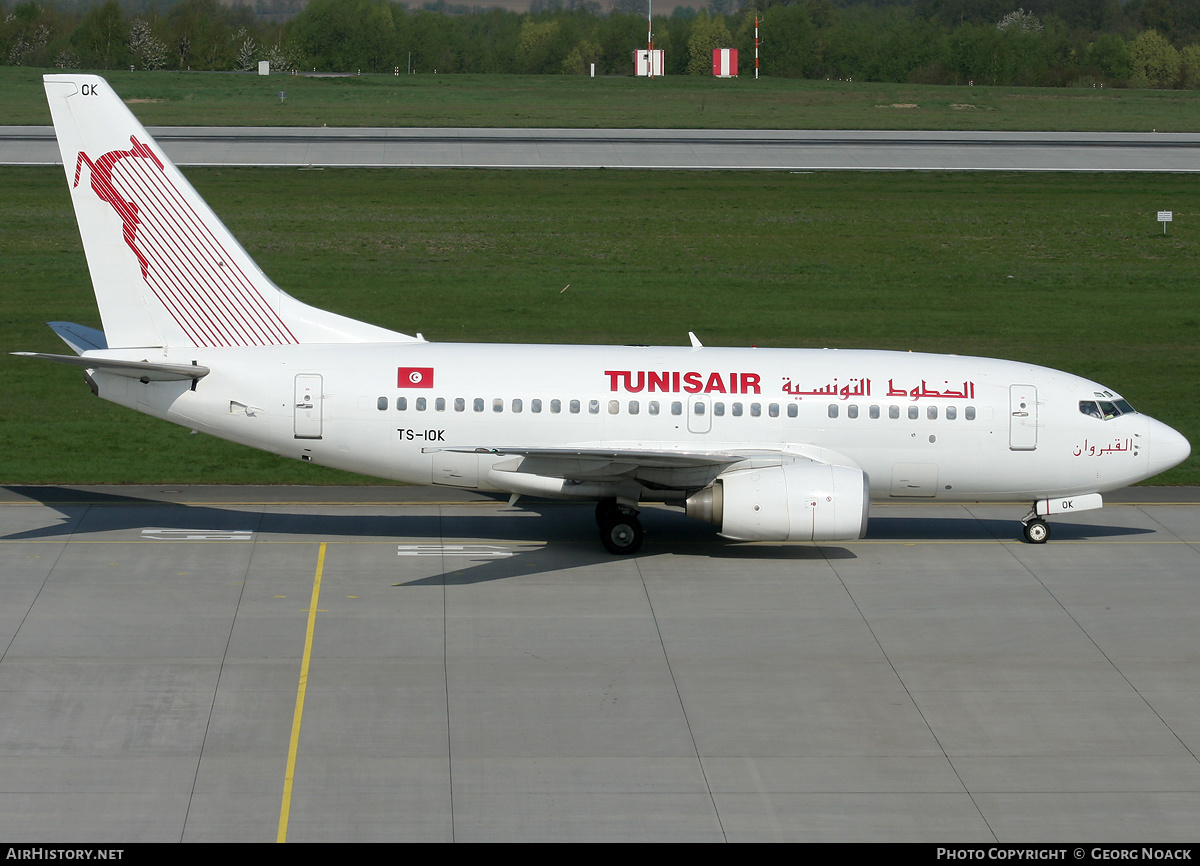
157	534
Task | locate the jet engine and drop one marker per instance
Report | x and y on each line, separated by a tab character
798	501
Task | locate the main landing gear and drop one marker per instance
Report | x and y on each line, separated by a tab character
620	529
1037	530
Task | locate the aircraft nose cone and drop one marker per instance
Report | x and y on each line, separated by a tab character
1168	447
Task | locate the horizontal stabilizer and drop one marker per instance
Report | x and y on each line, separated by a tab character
79	337
142	370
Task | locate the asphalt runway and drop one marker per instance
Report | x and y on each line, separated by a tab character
773	150
477	673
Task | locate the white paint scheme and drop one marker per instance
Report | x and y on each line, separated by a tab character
178	294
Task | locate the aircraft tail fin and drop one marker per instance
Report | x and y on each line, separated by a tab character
165	270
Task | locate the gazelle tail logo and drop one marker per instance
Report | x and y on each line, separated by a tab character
191	272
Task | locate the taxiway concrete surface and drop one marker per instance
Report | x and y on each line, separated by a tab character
773	150
485	674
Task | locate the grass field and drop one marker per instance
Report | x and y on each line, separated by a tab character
1071	271
680	102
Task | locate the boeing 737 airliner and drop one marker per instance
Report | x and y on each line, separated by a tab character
768	444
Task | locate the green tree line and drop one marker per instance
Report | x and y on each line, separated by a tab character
1140	43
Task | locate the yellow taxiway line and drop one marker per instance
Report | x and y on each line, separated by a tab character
285	807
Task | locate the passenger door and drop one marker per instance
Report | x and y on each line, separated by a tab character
1023	418
307	403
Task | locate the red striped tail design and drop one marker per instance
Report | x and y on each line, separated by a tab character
197	280
165	269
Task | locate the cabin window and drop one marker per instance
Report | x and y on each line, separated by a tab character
833	410
381	403
535	406
517	405
440	404
593	407
460	405
634	408
951	413
676	408
737	410
970	413
477	405
755	410
555	407
793	410
931	413
698	407
913	413
873	412
420	404
773	410
852	410
574	407
719	409
401	404
497	405
652	406
893	412
614	406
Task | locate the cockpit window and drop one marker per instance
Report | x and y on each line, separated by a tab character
1105	410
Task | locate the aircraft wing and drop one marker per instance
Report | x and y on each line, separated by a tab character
655	467
650	458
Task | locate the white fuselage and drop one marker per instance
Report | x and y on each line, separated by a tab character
918	425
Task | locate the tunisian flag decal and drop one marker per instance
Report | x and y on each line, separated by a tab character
414	377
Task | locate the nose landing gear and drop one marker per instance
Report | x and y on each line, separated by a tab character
1037	531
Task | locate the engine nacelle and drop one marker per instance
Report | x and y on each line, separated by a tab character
798	501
